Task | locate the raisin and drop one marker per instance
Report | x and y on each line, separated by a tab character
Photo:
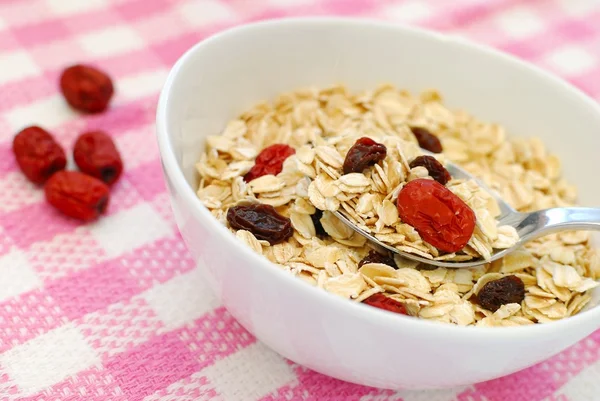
364	153
96	154
382	302
261	220
376	257
507	290
440	217
436	170
86	88
316	219
427	140
38	154
77	195
269	161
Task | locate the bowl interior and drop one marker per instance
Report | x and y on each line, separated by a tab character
230	72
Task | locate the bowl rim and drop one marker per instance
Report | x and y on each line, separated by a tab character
354	309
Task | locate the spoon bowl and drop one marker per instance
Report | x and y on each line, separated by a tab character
529	225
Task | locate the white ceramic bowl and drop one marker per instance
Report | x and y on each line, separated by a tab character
229	72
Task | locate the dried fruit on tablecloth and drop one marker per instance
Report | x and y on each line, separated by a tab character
86	88
38	154
77	195
96	154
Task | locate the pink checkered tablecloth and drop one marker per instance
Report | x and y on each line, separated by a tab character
116	310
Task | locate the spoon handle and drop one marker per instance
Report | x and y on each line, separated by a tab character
548	221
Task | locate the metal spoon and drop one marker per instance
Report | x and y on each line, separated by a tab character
528	225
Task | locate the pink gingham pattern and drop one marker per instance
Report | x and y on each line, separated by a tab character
116	310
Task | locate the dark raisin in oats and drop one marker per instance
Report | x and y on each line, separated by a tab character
376	257
427	140
436	170
364	153
261	220
507	290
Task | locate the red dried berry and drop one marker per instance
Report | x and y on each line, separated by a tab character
86	88
440	217
364	153
38	154
96	154
261	220
376	257
507	290
382	302
427	140
77	195
269	161
436	170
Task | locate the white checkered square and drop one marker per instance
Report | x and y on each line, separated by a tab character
291	3
48	359
408	11
520	22
17	191
66	253
120	326
16	275
571	60
139	149
129	229
585	386
578	8
17	65
206	12
111	41
182	299
49	113
262	369
68	7
142	84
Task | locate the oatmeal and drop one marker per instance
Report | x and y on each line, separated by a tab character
277	173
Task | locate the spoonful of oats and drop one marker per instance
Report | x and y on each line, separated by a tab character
412	203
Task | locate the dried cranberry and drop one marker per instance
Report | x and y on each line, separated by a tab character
86	88
382	302
77	195
364	153
38	154
261	220
507	290
316	219
436	170
376	257
269	161
96	154
427	140
440	217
